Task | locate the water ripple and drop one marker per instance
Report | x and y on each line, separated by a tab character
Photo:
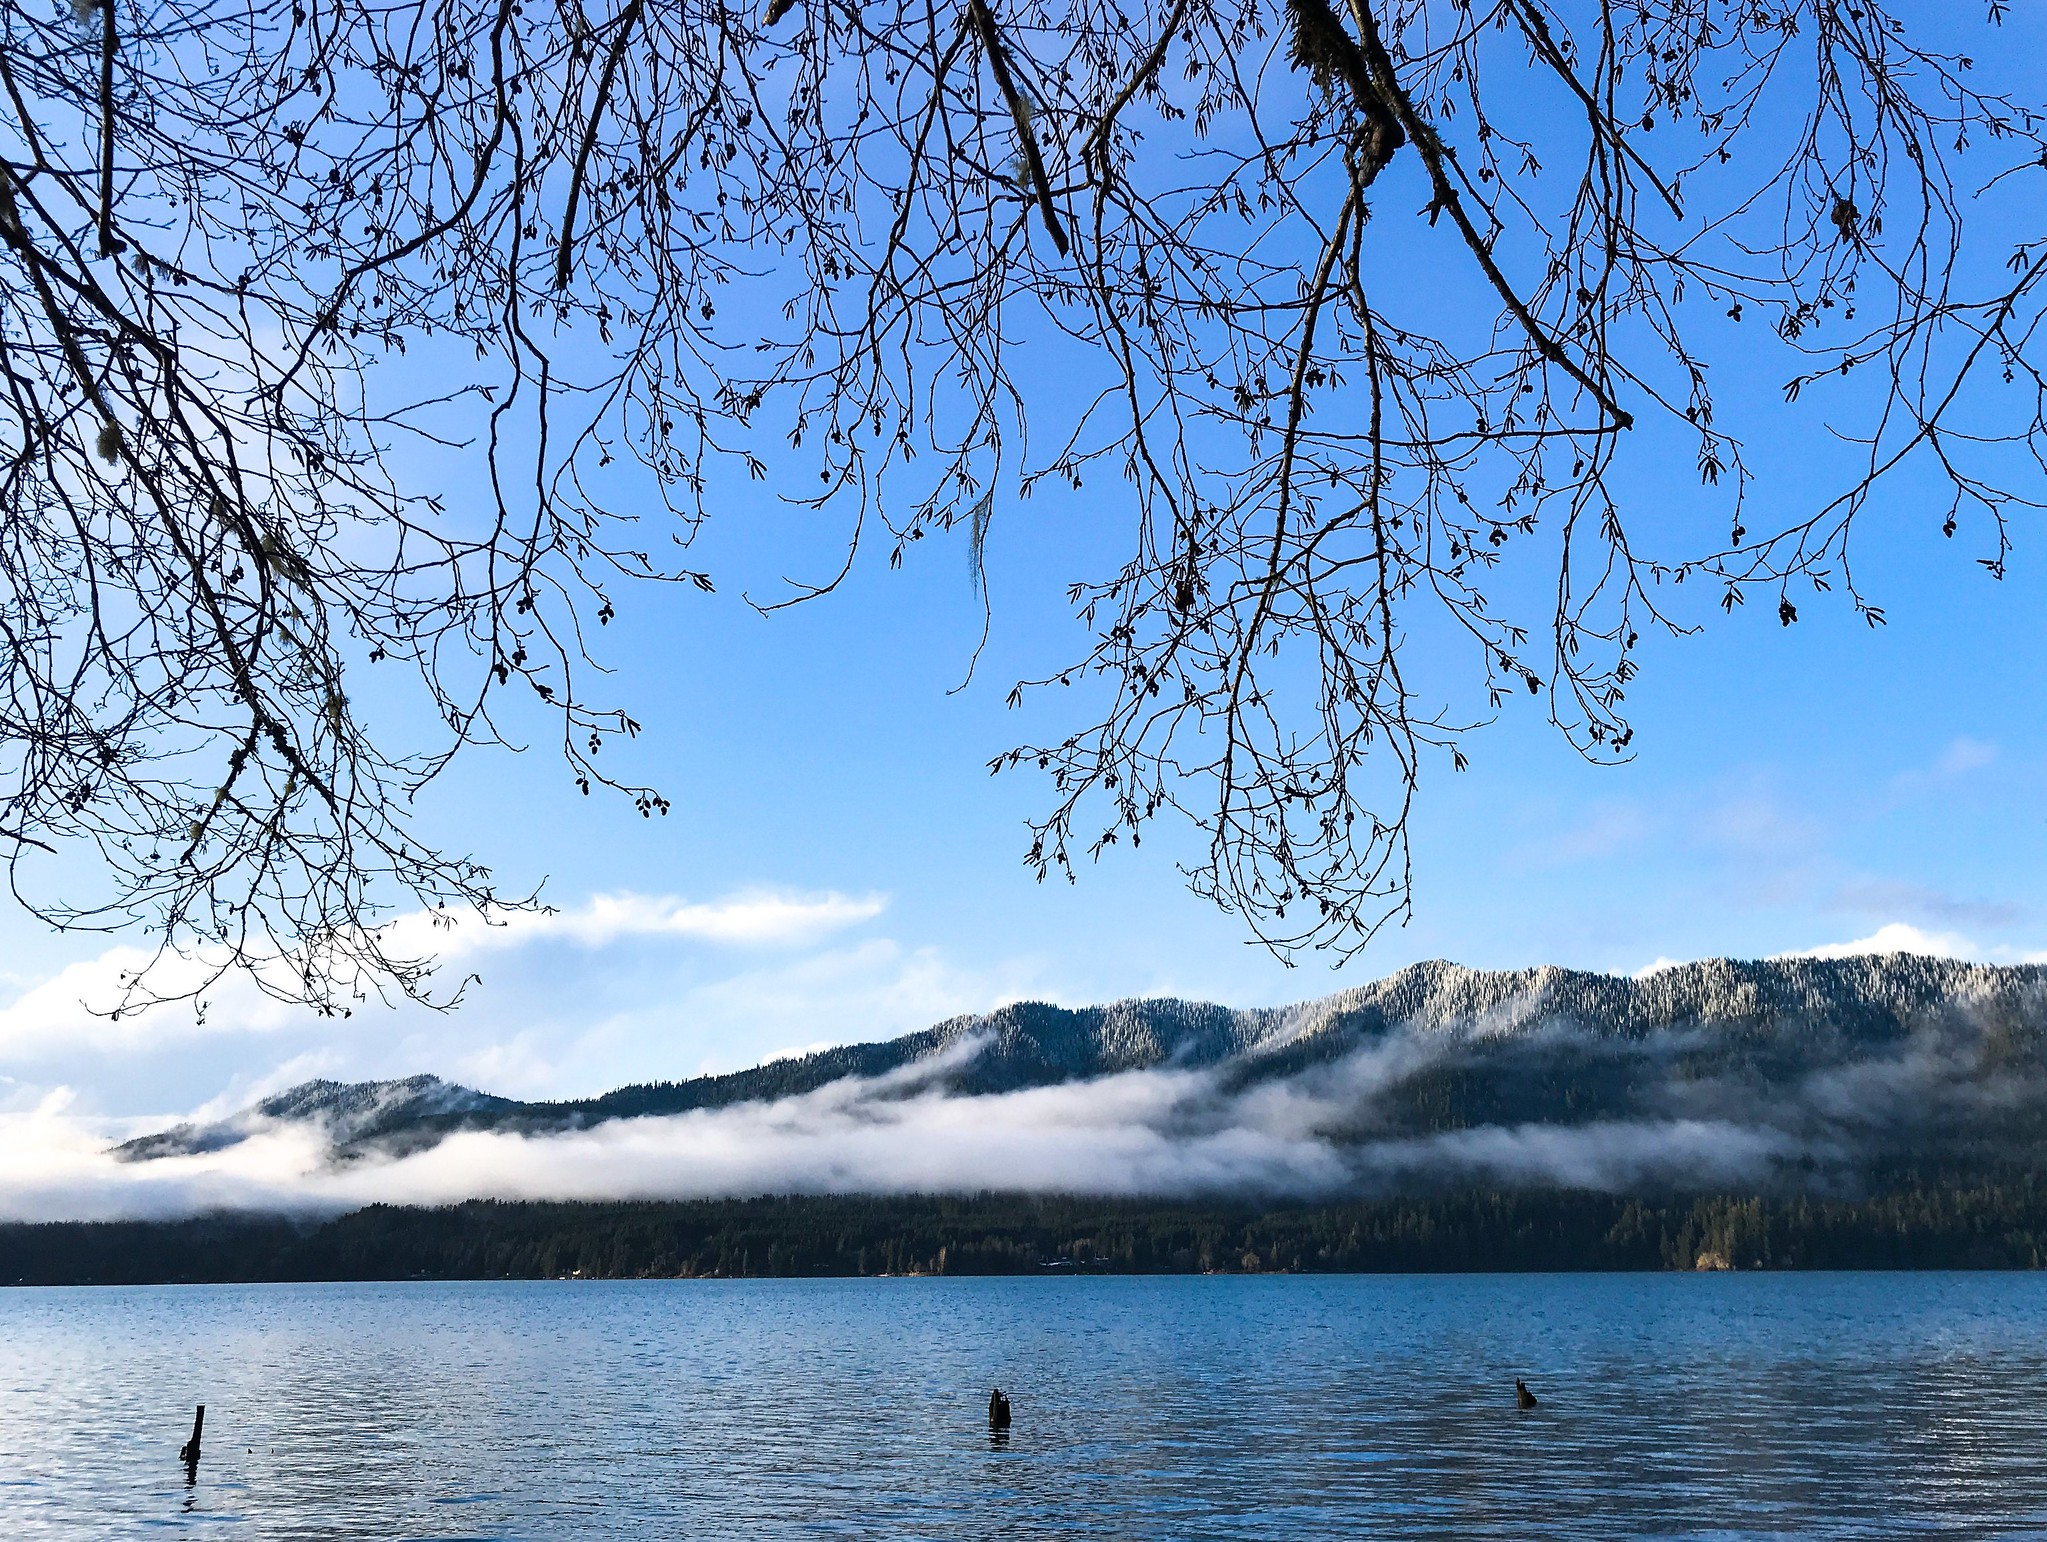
1736	1407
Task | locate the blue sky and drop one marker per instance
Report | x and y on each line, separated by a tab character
839	865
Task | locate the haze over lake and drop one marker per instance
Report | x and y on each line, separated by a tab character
1714	1406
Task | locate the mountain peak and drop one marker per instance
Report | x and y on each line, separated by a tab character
349	1112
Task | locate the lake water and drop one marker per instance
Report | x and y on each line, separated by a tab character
1299	1407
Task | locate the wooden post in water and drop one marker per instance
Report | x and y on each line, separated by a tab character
188	1453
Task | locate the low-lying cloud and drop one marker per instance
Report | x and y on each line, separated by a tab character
1317	1133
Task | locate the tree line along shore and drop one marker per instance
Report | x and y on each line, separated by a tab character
1980	1225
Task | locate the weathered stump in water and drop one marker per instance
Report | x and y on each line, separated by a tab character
998	1410
188	1453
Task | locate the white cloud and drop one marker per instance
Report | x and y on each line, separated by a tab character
1602	830
1897	937
1878	896
1959	758
1965	755
618	989
245	1089
750	918
71	1013
75	1009
1892	937
874	989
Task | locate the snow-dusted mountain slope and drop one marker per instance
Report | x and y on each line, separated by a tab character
1854	1061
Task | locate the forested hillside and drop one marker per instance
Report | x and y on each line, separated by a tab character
1916	1224
1788	1068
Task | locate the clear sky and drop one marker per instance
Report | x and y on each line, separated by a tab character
839	865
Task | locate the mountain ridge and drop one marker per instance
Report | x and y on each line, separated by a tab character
1870	1058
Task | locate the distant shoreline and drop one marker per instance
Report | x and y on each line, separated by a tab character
1999	1224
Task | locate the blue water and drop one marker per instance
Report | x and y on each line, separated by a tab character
1711	1406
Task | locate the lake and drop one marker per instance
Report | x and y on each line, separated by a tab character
1745	1405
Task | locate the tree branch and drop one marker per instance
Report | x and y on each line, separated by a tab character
998	63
